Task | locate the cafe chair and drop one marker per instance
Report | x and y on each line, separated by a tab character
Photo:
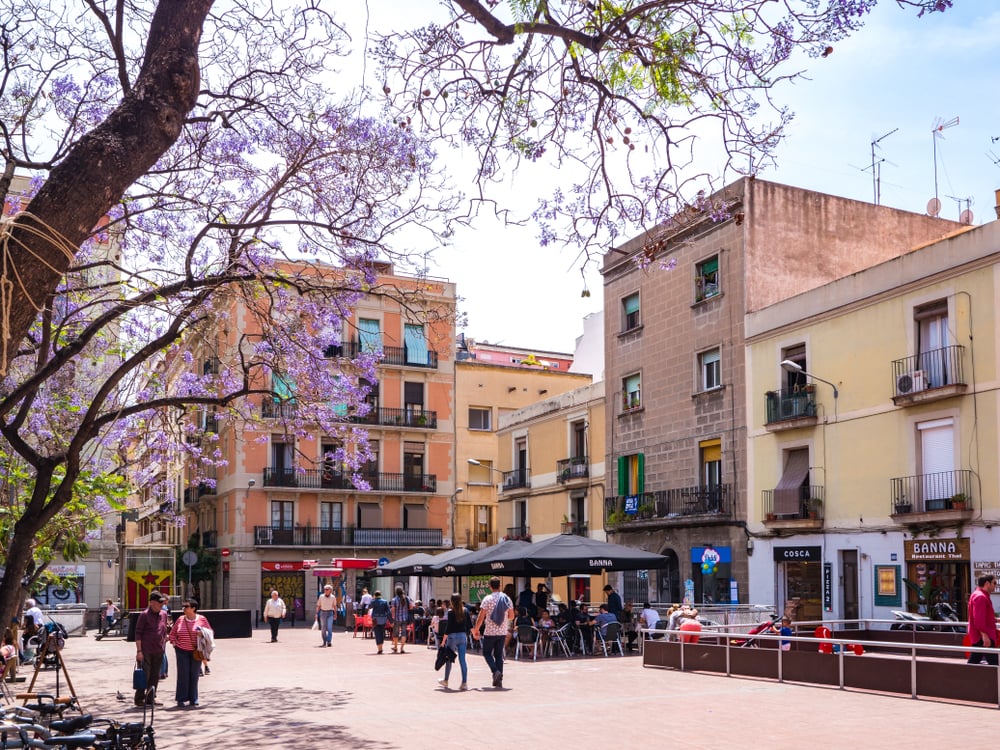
610	637
559	637
527	635
660	625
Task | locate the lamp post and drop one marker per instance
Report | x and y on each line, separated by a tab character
453	509
790	366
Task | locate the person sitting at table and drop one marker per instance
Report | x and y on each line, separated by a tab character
628	620
585	624
546	625
523	618
649	616
562	616
603	619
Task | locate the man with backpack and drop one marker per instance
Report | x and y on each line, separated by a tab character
399	608
495	611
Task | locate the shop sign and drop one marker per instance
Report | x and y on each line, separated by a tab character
797	554
936	549
67	570
282	566
985	567
828	586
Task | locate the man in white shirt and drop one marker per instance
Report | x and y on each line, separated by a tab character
495	611
366	601
649	616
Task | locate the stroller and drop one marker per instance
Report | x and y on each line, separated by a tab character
750	641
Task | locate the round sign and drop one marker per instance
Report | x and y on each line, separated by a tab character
383	561
189	558
225	552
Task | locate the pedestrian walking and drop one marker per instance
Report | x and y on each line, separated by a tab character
983	620
456	638
111	613
496	611
399	609
274	613
151	629
184	635
326	612
380	616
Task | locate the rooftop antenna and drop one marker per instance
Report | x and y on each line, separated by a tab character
939	125
877	169
966	216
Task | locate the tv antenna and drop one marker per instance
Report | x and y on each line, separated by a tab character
939	126
877	167
993	158
964	217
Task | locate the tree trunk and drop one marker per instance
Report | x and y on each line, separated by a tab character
99	169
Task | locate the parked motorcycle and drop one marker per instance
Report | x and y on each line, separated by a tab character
940	612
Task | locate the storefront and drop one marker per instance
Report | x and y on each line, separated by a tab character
288	579
711	573
800	581
937	570
69	590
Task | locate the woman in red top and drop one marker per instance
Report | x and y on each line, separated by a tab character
184	636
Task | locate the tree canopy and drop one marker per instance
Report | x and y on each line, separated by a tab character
185	154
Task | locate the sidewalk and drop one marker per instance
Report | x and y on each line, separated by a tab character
294	694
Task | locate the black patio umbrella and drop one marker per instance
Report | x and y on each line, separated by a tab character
565	554
475	562
418	564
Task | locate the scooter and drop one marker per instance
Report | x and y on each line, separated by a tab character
940	612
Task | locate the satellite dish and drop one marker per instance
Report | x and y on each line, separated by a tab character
933	207
965	217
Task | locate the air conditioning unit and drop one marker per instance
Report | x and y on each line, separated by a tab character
911	382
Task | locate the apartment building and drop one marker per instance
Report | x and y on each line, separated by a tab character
675	301
283	513
551	456
873	445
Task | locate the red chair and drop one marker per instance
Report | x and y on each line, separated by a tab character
364	622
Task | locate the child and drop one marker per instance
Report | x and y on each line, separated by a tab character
786	630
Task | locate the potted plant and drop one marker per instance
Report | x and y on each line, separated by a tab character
769	517
617	517
959	501
812	506
903	507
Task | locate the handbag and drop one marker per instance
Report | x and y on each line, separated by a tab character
138	677
198	655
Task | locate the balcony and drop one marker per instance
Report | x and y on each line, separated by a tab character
271	409
569	469
209	539
800	508
330	479
522	533
194	494
790	408
307	536
398	356
685	506
930	376
411	417
573	527
941	497
516	479
157	537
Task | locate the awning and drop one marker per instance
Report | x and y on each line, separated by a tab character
327	572
788	493
356	563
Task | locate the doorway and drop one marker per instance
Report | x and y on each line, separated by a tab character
849	584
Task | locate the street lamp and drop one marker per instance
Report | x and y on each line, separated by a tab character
790	366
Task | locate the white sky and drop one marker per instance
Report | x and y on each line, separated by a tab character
898	72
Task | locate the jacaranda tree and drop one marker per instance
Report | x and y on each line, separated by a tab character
183	151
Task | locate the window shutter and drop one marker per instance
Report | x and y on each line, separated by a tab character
640	469
631	304
622	476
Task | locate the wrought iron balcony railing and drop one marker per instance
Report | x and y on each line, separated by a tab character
797	503
350	536
331	479
516	479
925	493
519	532
669	505
400	356
922	372
409	417
790	403
568	469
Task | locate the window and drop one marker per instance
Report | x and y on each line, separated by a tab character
413	400
413	466
937	461
415	345
331	515
282	514
414	516
932	340
480	418
795	379
369	516
225	516
370	468
630	312
578	439
631	396
282	458
631	474
706	282
481	473
369	335
793	487
709	364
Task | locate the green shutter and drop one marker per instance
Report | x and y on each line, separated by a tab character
622	476
710	266
640	473
631	304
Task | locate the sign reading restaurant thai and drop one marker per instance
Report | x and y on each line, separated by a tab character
936	549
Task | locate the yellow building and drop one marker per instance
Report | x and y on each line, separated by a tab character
552	460
484	393
873	423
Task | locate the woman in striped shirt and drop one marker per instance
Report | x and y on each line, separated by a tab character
184	636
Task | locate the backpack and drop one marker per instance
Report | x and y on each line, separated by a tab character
499	613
